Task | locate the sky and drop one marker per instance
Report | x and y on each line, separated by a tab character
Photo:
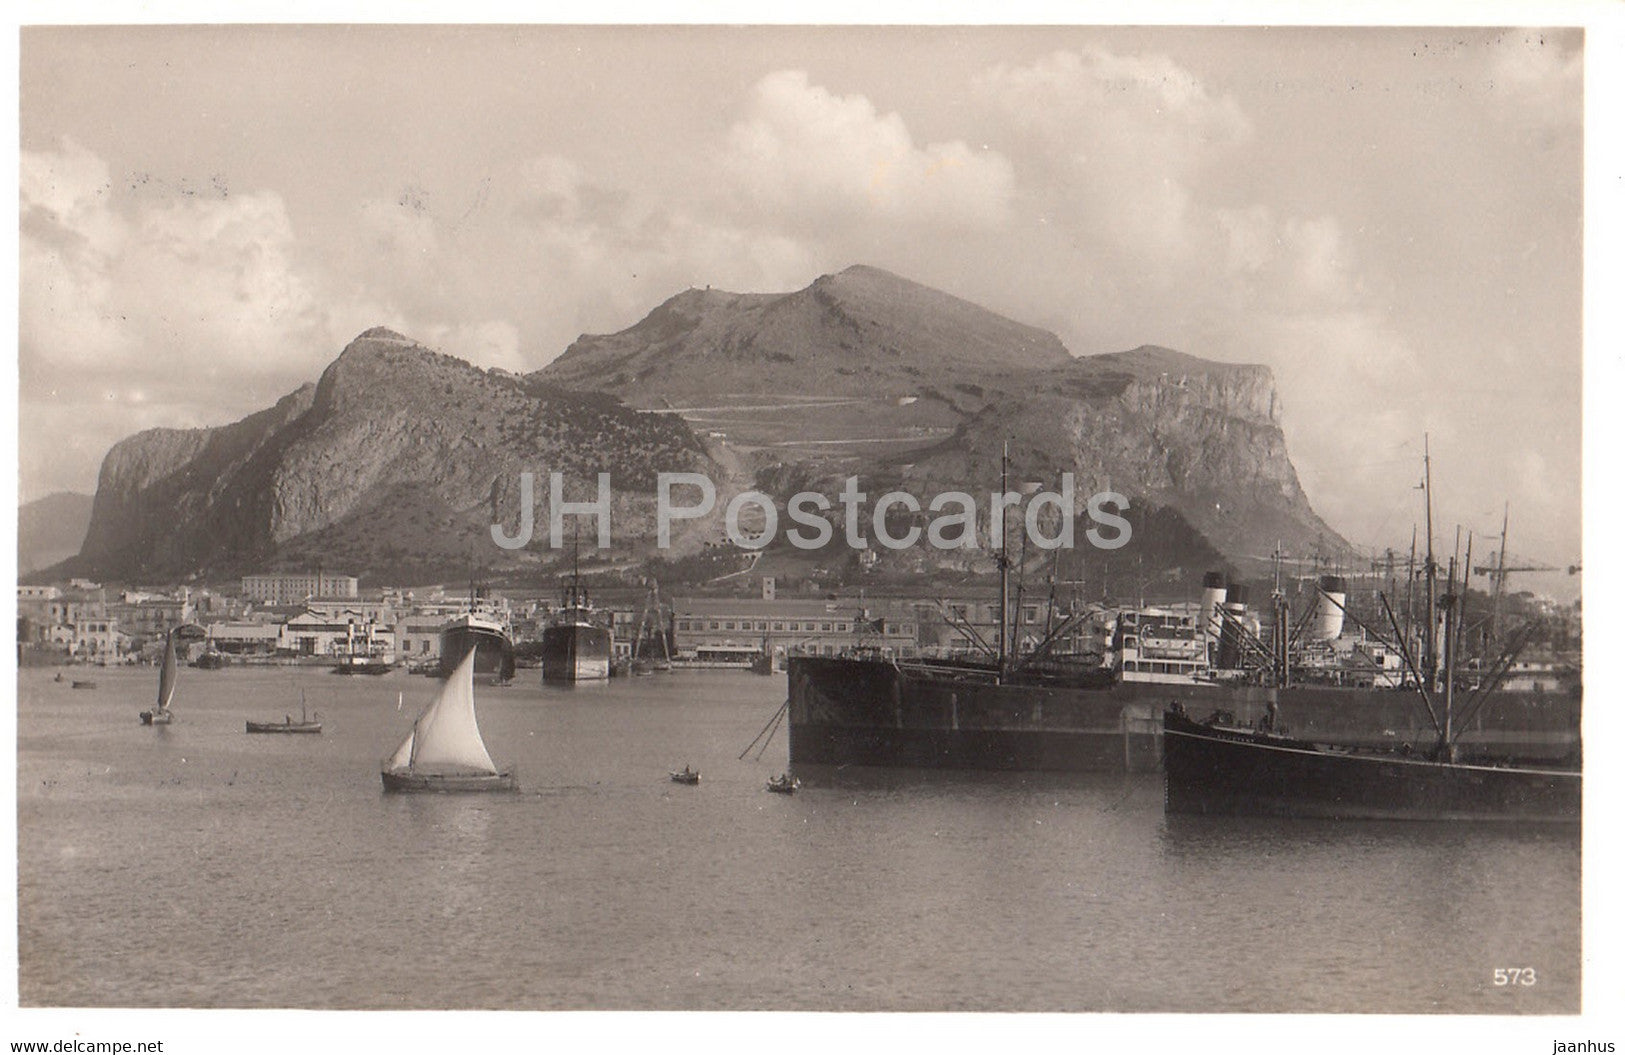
1390	218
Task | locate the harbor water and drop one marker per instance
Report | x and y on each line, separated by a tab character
197	866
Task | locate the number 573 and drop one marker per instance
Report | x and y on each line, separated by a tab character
1514	976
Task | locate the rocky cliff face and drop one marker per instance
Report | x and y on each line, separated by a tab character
398	458
1199	439
173	499
939	385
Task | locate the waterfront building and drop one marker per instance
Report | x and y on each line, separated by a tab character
99	640
245	638
731	628
417	636
313	633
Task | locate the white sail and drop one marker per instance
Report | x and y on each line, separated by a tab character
166	674
447	734
403	754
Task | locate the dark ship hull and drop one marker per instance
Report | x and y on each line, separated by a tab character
1212	769
495	648
575	652
871	711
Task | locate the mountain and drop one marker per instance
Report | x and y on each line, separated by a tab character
396	462
393	466
854	333
51	529
865	372
1174	432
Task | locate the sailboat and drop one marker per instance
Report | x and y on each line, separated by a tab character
161	714
444	751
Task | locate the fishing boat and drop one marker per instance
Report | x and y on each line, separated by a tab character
444	751
784	784
161	714
82	684
686	775
288	725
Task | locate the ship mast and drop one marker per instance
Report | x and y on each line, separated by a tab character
1004	563
1430	656
1410	593
1281	632
1445	747
1500	581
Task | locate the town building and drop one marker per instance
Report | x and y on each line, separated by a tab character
417	637
245	638
313	633
721	628
294	587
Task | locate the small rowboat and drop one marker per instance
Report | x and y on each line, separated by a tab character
784	784
686	775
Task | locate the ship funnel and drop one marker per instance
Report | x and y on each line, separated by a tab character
1212	598
1235	606
1327	624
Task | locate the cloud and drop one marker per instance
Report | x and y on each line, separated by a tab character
1119	141
141	305
1541	72
548	250
802	151
153	295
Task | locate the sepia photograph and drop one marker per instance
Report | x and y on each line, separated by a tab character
1071	526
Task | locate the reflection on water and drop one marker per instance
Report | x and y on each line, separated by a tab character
273	871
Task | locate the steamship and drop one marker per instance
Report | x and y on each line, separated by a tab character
1013	714
574	646
1023	712
1215	766
484	633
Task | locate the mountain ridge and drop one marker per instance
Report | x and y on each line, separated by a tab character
399	458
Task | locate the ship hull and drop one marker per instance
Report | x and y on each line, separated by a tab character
401	781
284	727
862	711
1236	772
373	667
495	655
576	652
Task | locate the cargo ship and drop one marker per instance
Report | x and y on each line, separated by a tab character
1213	768
1220	766
876	709
1030	712
484	633
574	646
